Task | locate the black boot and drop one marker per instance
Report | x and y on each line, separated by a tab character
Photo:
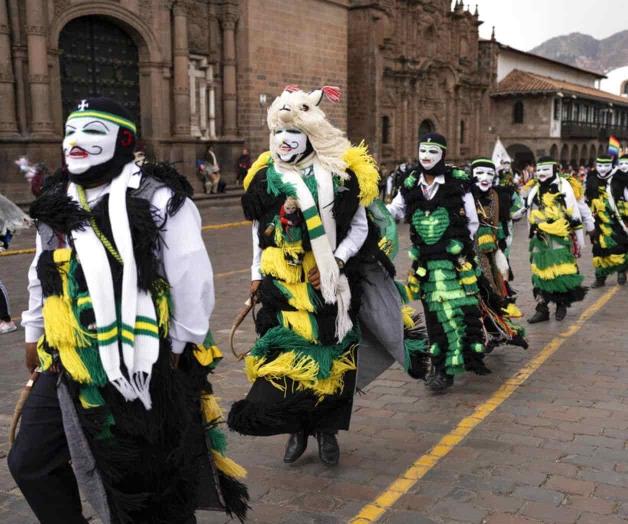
541	315
328	450
297	443
621	278
600	282
438	381
561	312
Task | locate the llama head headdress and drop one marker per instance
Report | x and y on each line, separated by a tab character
298	110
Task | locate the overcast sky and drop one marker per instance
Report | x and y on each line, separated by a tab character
525	24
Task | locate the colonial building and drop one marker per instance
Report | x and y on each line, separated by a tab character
200	72
414	68
543	107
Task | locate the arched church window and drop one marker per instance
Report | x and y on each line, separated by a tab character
385	130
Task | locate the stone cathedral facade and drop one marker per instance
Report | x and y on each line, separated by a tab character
201	72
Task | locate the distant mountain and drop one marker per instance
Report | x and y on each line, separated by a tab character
587	52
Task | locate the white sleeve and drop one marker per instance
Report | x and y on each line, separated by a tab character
572	203
397	208
256	274
188	270
32	318
472	214
587	216
353	242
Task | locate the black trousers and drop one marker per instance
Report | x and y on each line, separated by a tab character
40	460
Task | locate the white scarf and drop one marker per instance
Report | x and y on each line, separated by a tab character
136	330
334	285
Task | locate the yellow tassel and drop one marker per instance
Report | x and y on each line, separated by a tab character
486	239
468	281
163	314
301	322
274	264
206	355
576	185
406	313
364	166
512	311
303	370
210	408
555	271
228	466
262	161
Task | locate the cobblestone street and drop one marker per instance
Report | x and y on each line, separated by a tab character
549	446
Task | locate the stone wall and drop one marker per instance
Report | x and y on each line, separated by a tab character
302	42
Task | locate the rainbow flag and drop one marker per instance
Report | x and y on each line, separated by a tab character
613	146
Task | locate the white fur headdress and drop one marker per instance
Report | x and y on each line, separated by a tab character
298	109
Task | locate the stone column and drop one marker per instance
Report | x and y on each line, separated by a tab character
181	75
8	121
229	82
41	122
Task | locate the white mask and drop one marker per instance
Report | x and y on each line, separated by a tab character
88	142
484	177
544	173
289	144
623	165
603	170
429	156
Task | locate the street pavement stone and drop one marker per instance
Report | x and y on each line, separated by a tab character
555	451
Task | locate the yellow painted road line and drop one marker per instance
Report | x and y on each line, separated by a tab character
226	225
229	273
210	227
406	481
13	252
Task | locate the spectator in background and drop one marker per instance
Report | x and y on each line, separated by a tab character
212	169
244	163
6	324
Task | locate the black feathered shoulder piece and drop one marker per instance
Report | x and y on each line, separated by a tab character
161	174
57	210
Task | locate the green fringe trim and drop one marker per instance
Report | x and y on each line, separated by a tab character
284	340
217	439
562	284
552	257
275	185
412	346
440	264
454	247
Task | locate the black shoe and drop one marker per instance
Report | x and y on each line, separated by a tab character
601	281
297	443
621	278
561	312
438	381
541	315
328	450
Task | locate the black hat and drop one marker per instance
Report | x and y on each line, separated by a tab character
482	162
105	109
434	139
604	159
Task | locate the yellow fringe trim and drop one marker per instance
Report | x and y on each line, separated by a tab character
468	281
228	466
364	166
206	355
261	162
163	315
300	296
512	311
210	408
609	261
486	239
274	264
302	370
576	185
555	271
559	228
301	322
45	359
406	314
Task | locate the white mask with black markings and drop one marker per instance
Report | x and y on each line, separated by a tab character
622	165
544	173
289	144
603	169
484	177
88	142
429	156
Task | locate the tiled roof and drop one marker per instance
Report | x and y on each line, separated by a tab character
519	82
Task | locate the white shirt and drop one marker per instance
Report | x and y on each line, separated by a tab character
397	207
349	247
570	203
183	262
